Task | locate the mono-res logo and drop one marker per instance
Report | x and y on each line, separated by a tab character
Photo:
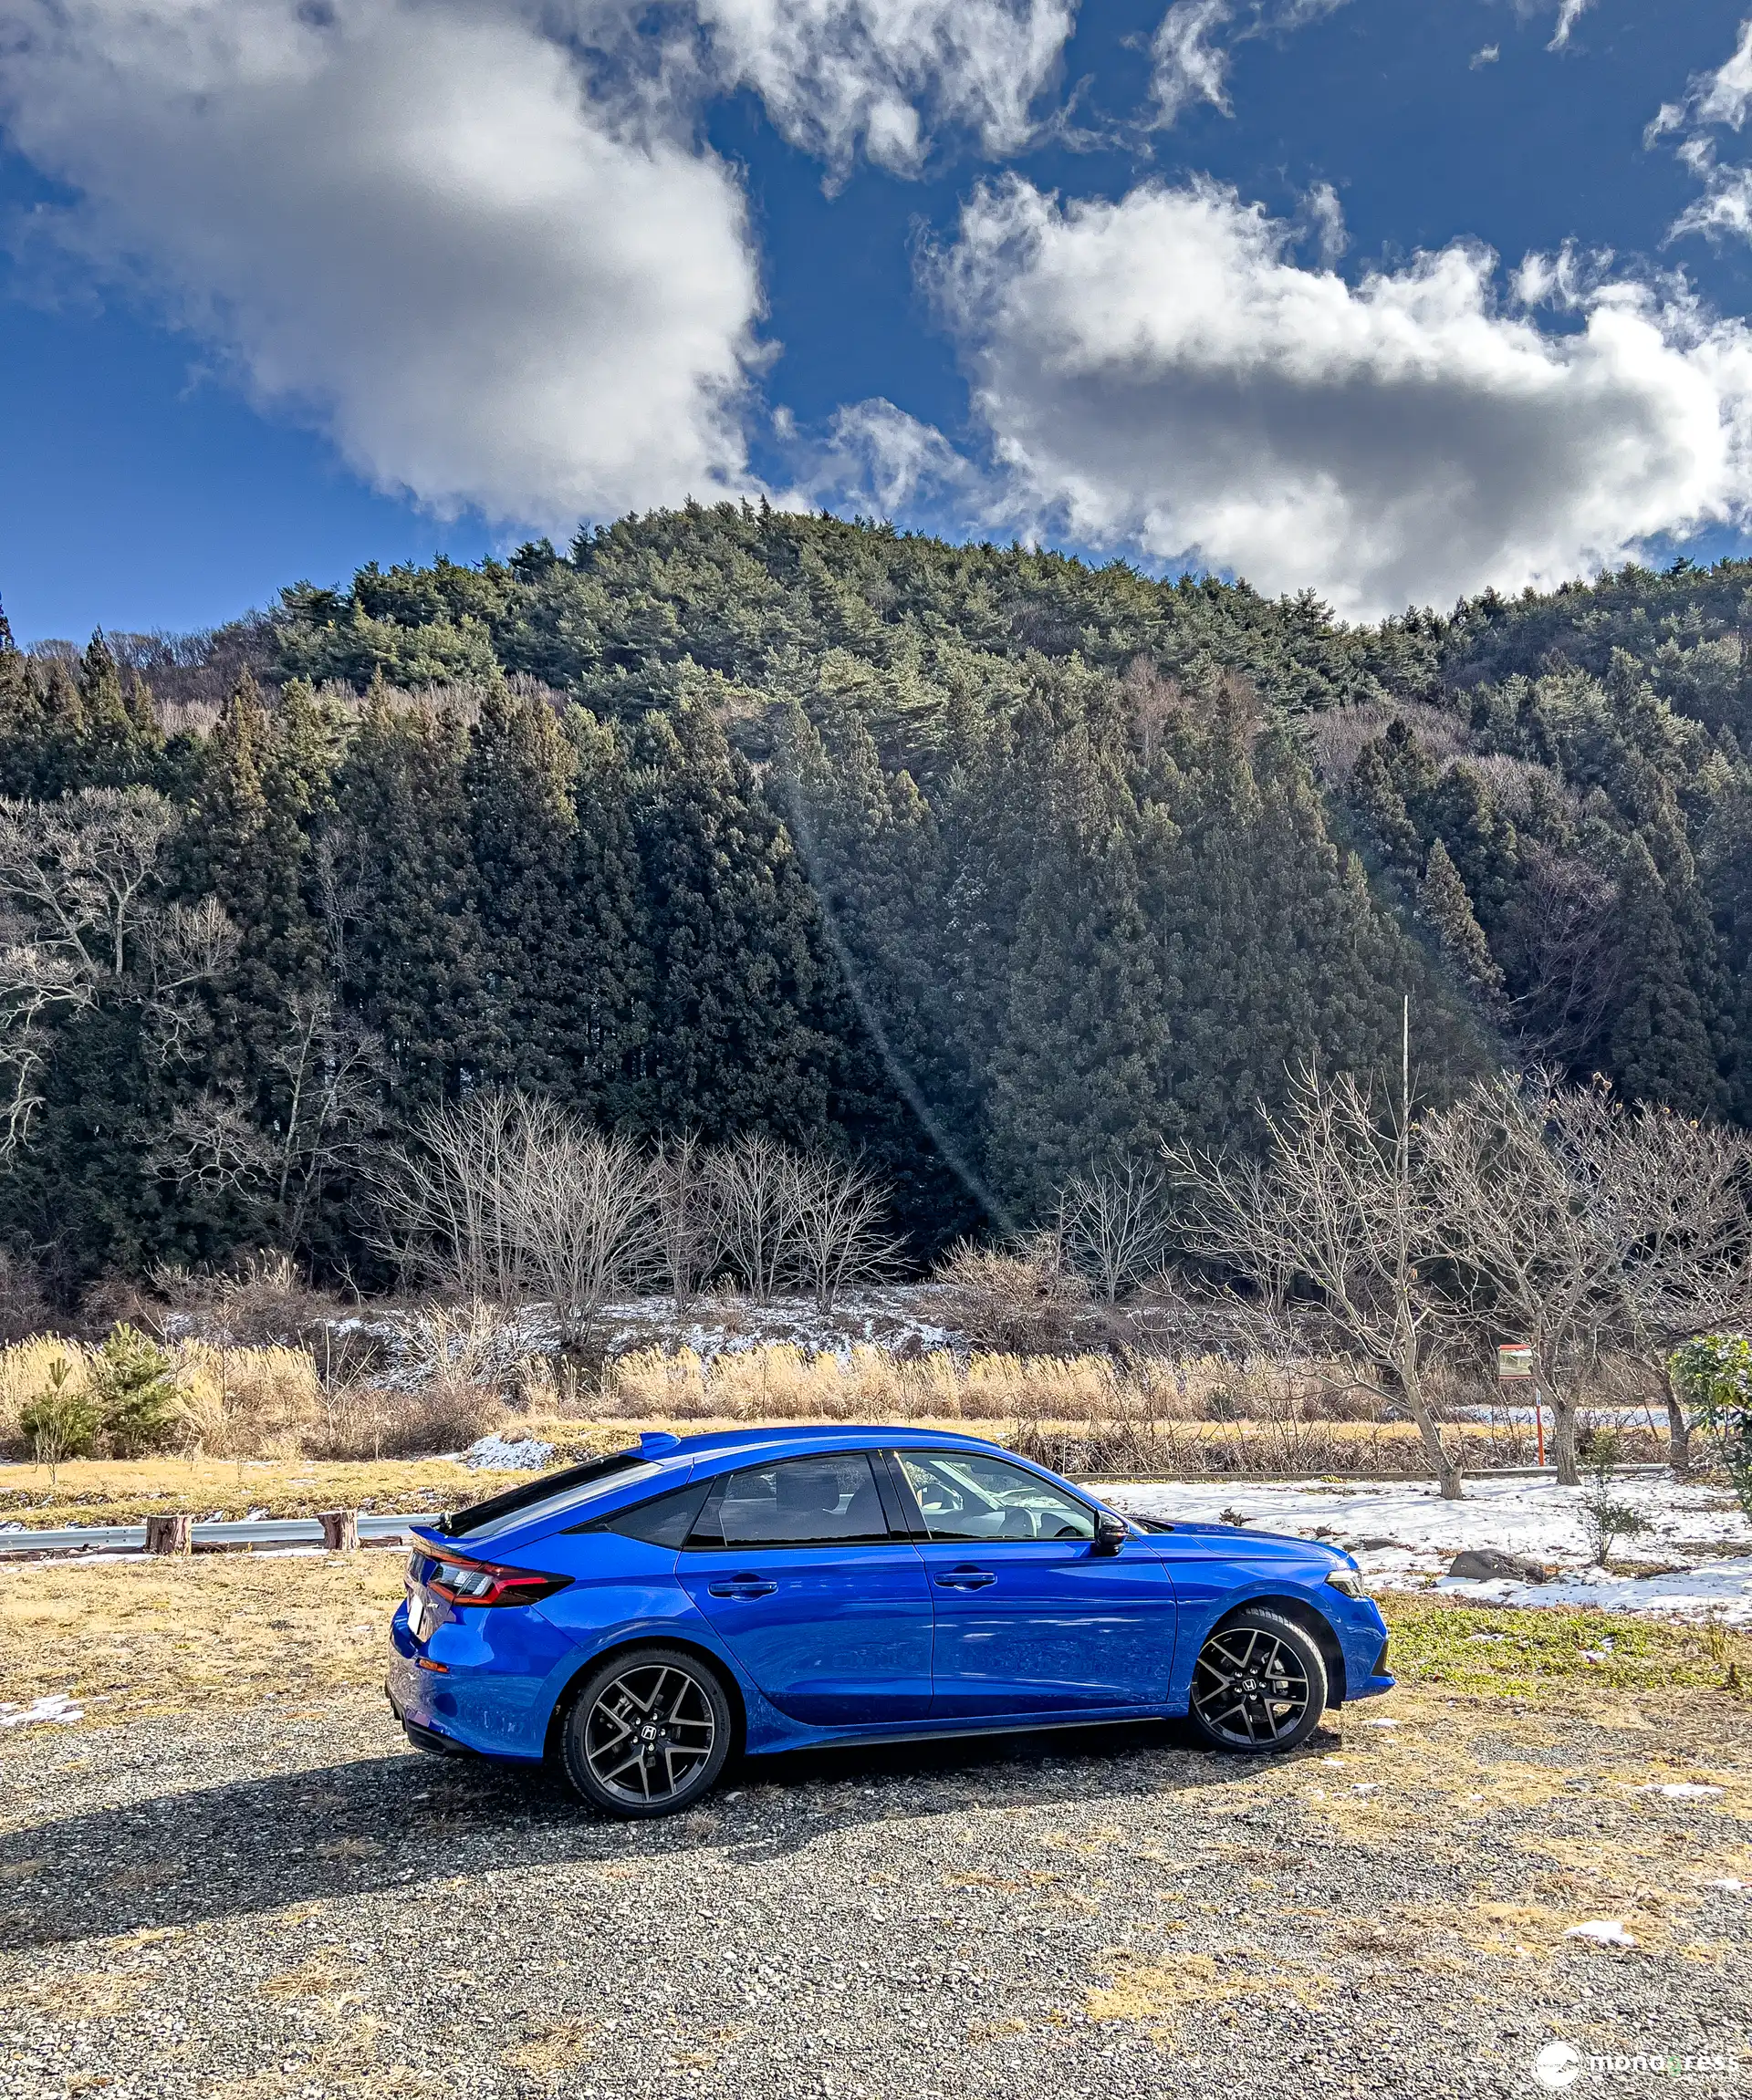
1557	2066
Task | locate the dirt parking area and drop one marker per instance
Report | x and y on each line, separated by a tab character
211	1894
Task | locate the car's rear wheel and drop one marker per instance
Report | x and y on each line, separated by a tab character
1259	1684
648	1733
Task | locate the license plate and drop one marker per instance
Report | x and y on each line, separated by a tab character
419	1612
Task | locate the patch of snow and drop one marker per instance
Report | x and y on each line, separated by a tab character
1534	1517
1729	1886
1685	1790
1603	1932
1374	1723
56	1710
496	1454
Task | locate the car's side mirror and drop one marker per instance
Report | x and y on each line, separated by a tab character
1111	1533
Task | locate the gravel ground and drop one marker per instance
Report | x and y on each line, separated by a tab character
286	1901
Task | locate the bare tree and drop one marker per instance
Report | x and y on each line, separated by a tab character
75	887
687	1219
1114	1226
1670	1198
584	1218
1538	1242
1333	1231
442	1205
216	1142
839	1234
759	1194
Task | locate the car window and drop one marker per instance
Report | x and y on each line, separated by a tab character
664	1520
830	1501
963	1495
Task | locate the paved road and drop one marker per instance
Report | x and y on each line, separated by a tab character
285	1902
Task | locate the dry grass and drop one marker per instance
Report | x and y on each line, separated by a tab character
1080	1413
1203	1985
128	1491
136	1637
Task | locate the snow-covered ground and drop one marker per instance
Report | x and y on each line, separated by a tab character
905	1318
1403	1536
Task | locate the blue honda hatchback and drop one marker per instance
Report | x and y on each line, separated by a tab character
640	1617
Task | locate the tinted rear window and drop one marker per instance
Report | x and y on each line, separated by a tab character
663	1521
536	1498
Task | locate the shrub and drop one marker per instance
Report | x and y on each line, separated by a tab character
64	1421
375	1422
1027	1303
1713	1375
1605	1520
133	1388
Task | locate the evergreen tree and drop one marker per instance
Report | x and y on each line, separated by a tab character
1660	1043
1071	1084
519	782
1445	906
738	964
399	861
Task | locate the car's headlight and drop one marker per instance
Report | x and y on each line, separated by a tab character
1348	1581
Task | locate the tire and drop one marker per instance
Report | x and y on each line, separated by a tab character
648	1733
1259	1684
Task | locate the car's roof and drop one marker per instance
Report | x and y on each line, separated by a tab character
841	1436
660	1460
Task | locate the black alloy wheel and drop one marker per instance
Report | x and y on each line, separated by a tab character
648	1733
1259	1684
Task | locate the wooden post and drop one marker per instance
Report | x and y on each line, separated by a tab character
340	1531
168	1534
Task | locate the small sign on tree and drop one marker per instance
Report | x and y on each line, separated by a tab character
1514	1360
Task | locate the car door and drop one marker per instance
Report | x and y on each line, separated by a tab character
793	1562
1030	1617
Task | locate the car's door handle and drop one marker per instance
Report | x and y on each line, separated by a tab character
966	1578
742	1586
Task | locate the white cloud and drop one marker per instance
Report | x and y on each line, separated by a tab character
408	219
1160	373
878	461
1186	65
1190	51
1726	206
1489	56
1570	12
1722	97
479	242
840	75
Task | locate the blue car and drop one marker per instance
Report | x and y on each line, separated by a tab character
638	1618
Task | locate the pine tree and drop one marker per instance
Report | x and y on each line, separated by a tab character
738	967
611	994
1382	809
120	741
1660	1043
399	856
1445	906
1072	1082
524	825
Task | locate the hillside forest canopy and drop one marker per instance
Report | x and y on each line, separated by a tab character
978	865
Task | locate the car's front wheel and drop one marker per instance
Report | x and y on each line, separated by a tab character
648	1733
1259	1683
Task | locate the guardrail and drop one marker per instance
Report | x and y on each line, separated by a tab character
260	1532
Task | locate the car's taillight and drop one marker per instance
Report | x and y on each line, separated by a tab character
480	1583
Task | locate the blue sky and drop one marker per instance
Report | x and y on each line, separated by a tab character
306	286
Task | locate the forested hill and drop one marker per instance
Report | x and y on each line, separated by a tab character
980	861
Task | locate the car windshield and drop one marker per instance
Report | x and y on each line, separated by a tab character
965	1496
